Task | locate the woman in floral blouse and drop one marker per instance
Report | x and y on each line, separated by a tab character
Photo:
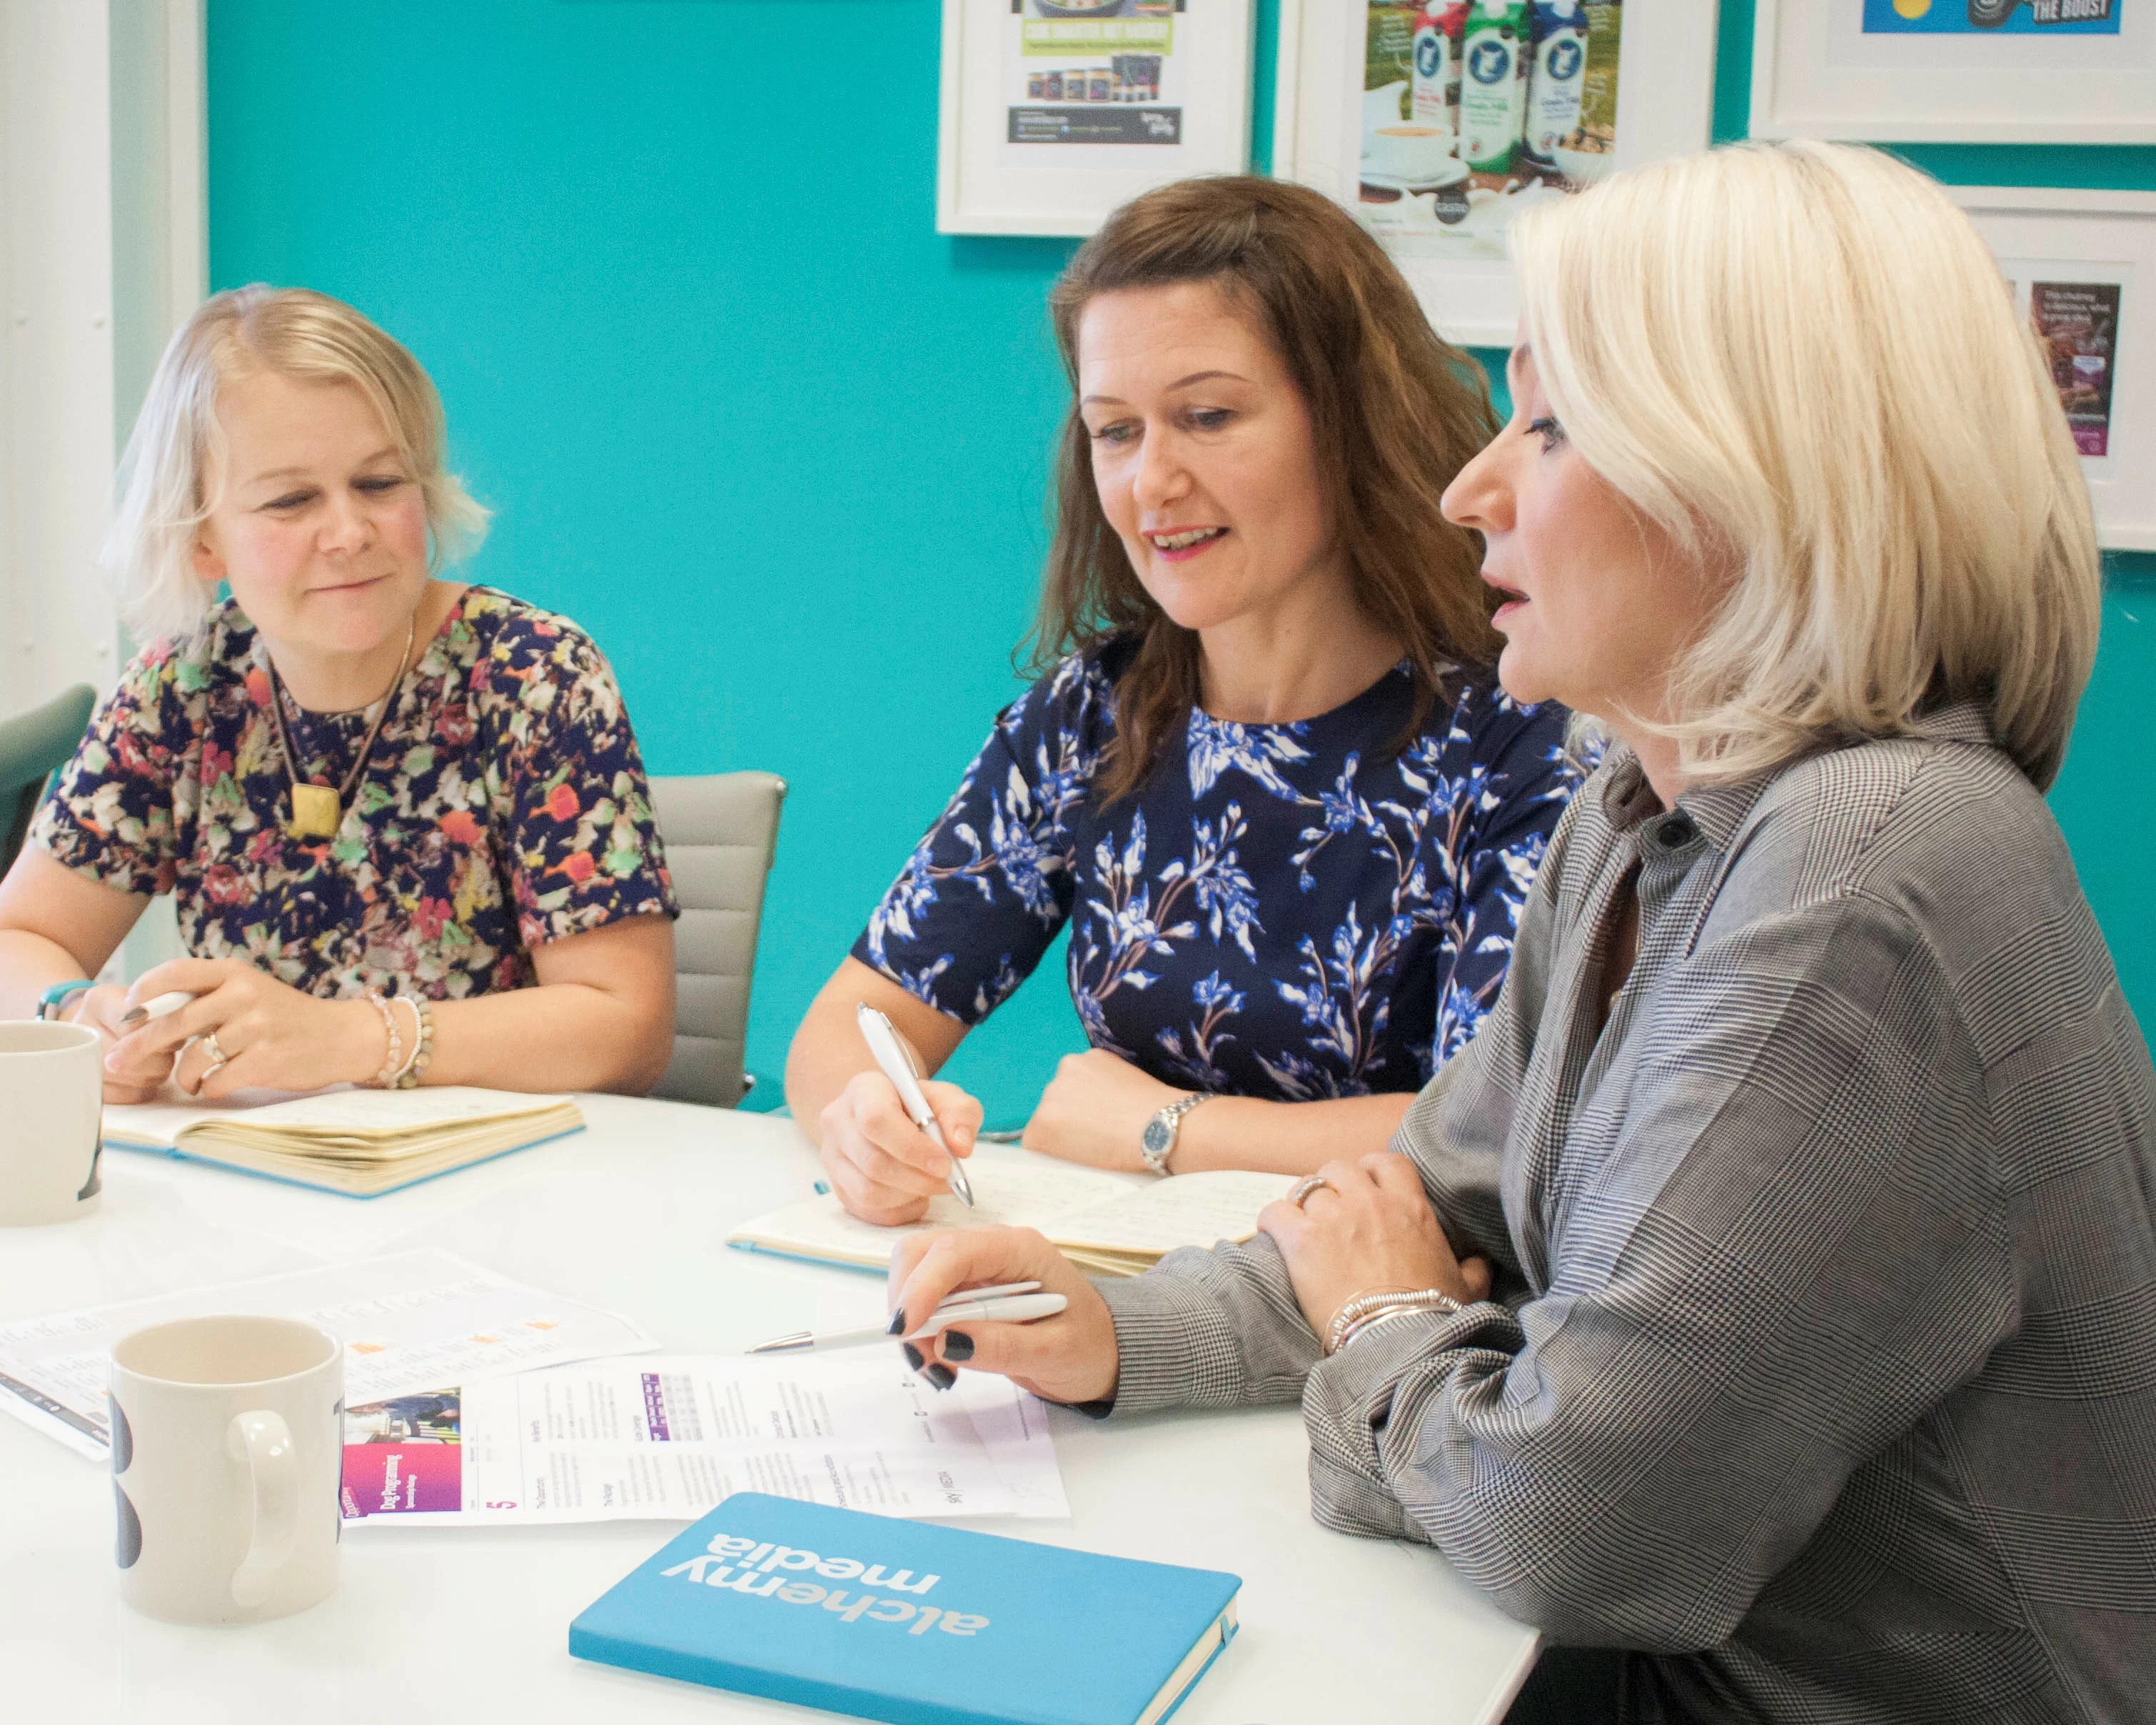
404	820
1268	780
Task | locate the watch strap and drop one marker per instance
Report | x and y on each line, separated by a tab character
1157	1143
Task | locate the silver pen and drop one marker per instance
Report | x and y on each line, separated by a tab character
894	1059
159	1007
1007	1302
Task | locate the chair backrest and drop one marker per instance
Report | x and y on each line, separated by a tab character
720	830
31	745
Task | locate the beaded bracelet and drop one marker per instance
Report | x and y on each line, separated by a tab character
392	1061
1365	1310
396	1078
422	1041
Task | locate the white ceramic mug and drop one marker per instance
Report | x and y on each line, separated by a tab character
228	1442
52	1092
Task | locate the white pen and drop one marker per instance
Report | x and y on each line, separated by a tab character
894	1059
971	1306
158	1006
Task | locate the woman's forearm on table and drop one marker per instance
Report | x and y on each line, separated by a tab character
1285	1137
559	1036
30	964
1209	1329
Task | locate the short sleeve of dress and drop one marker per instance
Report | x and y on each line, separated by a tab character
989	887
585	849
118	810
1524	781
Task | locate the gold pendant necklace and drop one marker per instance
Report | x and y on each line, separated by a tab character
318	809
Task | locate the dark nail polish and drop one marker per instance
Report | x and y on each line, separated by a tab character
957	1345
897	1322
912	1355
940	1375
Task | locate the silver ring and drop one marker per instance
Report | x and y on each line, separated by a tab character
218	1056
1307	1184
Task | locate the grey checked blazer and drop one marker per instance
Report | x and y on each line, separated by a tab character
1823	1369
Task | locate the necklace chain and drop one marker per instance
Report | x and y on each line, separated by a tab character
312	826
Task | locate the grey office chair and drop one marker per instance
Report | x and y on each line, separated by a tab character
720	829
31	745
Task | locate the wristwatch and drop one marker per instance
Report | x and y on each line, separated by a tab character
1159	1143
53	1001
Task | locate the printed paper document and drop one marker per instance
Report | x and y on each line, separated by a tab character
666	1437
407	1321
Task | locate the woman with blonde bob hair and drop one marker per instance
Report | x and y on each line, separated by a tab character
1761	1293
404	819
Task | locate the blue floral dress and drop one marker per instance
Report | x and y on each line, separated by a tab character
1291	912
504	806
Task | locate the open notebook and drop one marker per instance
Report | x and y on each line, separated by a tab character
1101	1221
361	1142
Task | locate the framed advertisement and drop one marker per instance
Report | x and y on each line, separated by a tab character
1967	71
2083	267
1055	111
1435	123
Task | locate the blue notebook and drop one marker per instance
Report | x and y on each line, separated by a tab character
916	1625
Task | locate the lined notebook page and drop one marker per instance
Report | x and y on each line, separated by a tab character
1186	1209
1075	1207
1006	1193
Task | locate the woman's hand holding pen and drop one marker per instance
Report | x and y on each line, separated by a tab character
101	1008
883	1168
270	1035
1068	1357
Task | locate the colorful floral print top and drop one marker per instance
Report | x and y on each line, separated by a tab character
1291	912
504	806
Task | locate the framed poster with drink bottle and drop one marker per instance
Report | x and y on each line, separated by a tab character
1437	121
1966	71
1055	112
2082	265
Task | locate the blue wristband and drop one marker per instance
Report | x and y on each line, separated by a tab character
56	997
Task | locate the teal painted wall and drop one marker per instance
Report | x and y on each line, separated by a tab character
747	417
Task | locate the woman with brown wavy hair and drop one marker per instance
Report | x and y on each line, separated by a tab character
1266	775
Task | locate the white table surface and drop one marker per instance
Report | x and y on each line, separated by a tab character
471	1626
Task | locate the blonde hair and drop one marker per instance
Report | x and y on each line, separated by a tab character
163	486
1801	360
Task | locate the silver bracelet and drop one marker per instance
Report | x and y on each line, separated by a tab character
1357	1314
1372	1320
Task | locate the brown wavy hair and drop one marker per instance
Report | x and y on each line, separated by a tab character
1394	409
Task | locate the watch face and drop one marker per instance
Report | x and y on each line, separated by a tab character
1158	1136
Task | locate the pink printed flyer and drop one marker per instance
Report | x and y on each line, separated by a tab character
405	1457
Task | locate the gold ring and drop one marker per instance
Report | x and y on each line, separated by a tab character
1307	1185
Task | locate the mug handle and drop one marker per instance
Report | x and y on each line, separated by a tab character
262	1439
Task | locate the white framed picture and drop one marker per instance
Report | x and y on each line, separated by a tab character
1055	111
2083	267
1966	71
1436	123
